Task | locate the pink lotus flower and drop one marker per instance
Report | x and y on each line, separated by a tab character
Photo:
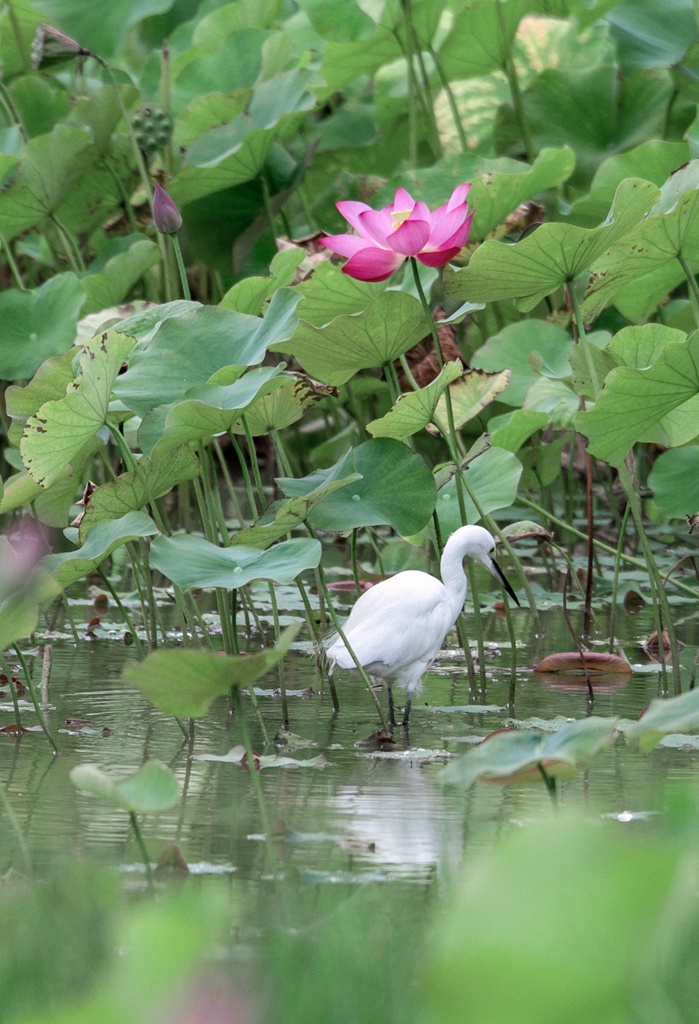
389	236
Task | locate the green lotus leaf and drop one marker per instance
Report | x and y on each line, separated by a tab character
104	537
184	683
60	428
194	562
396	489
391	324
553	255
151	789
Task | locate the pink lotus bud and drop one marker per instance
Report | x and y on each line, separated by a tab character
166	217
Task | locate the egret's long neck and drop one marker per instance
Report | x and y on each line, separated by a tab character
451	569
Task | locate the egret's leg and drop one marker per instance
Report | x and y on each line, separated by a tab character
406	710
391	710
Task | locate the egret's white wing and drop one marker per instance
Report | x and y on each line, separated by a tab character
399	622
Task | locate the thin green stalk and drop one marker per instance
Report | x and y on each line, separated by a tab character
254	773
450	436
250	609
360	669
137	571
355	567
132	464
692	285
225	472
165	99
17	829
408	373
247	480
323	618
11	111
123	196
152	620
18	718
282	454
47	657
615	579
210	533
282	457
144	853
14	269
124	613
19	39
451	99
138	155
318	648
69	615
253	461
549	782
140	163
412	98
513	647
280	667
426	101
478	622
338	629
181	268
582	338
628	484
35	700
513	82
392	381
267	205
69	246
212	492
198	619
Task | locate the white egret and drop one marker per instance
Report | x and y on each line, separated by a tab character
397	627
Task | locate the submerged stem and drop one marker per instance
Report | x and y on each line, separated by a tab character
144	853
549	782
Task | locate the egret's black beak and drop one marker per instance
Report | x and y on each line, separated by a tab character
506	586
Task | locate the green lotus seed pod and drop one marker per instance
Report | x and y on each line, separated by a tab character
152	126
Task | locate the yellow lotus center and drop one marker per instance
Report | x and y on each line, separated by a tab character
399	217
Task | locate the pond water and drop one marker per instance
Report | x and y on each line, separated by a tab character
368	813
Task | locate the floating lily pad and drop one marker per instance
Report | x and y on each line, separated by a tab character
593	661
238	755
